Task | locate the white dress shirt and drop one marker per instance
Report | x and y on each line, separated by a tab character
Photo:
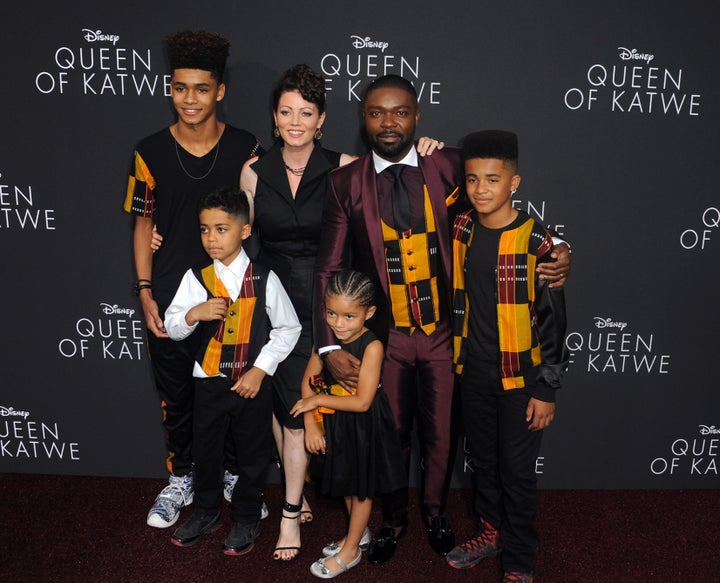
410	159
285	327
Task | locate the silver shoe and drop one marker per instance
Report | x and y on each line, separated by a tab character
333	549
320	570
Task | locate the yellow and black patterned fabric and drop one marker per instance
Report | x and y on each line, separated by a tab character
231	344
141	184
413	267
318	385
515	278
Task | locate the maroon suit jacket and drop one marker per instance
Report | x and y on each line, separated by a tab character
352	238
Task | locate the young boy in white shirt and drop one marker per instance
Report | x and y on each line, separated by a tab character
247	326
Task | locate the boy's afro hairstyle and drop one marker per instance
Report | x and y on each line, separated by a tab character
498	144
198	49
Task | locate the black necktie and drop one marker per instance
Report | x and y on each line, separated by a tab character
400	200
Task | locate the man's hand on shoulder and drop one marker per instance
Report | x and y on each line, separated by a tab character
426	146
556	272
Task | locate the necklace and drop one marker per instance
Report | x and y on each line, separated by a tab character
217	151
295	171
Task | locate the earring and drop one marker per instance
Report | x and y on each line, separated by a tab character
318	134
513	191
276	132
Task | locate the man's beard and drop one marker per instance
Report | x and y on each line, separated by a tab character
393	150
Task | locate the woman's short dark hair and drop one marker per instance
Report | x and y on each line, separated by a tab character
305	80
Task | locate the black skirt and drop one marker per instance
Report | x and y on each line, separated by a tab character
363	456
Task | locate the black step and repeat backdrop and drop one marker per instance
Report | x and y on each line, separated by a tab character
616	106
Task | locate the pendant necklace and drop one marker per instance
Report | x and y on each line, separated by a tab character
177	153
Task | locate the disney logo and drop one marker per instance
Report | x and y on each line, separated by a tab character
359	42
634	55
115	309
97	36
708	430
10	412
608	323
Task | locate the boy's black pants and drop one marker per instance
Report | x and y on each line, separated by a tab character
503	456
249	421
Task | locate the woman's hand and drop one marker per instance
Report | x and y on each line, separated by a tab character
426	146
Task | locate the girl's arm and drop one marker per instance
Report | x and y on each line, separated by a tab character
314	439
368	380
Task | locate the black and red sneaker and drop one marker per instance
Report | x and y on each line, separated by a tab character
241	539
200	523
486	543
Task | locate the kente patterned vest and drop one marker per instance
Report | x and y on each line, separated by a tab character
413	267
229	346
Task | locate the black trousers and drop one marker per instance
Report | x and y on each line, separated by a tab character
217	411
503	455
172	365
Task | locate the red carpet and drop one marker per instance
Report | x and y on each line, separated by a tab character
63	528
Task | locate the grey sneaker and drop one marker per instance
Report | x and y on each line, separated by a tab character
486	543
176	495
229	481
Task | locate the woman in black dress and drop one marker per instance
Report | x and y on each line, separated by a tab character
288	185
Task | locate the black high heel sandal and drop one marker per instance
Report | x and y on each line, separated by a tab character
295	509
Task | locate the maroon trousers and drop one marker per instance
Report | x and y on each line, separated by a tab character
419	382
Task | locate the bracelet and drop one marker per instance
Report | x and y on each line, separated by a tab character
139	285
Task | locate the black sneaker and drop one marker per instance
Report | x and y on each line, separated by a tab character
199	523
241	539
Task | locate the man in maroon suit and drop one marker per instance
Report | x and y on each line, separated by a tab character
388	214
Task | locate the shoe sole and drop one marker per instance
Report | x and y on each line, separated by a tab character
180	543
230	552
318	573
160	523
470	565
156	522
463	567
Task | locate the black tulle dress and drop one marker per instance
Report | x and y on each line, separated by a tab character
363	456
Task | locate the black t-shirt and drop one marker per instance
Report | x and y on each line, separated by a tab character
168	184
481	286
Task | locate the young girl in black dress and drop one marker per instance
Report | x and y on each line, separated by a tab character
361	444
